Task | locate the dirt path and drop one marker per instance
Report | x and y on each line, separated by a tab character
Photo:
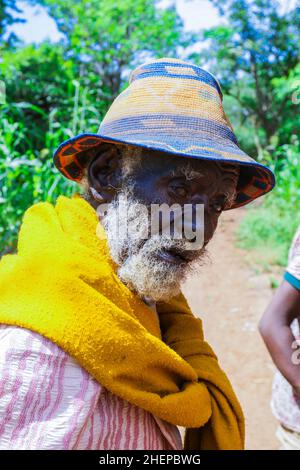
230	297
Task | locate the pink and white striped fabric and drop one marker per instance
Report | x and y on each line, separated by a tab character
47	401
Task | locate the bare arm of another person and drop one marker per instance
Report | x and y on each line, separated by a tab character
276	332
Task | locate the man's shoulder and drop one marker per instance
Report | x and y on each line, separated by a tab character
25	354
23	350
43	391
21	339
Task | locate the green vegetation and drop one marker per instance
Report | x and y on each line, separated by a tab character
270	227
55	91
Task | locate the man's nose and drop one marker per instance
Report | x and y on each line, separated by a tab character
193	221
201	199
209	222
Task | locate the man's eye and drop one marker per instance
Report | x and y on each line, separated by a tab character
179	191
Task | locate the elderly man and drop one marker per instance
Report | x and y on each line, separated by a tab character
98	347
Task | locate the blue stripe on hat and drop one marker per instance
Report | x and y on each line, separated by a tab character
182	122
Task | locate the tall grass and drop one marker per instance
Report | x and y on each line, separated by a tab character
269	228
27	174
25	178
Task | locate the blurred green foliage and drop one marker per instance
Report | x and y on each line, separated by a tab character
258	45
25	178
271	225
9	11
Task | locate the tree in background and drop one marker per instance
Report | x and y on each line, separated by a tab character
39	87
78	78
8	8
106	38
257	45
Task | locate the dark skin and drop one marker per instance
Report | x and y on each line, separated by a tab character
275	330
154	182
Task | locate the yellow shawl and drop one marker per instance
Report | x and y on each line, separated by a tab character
63	285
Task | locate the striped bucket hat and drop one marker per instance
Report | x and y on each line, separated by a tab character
175	107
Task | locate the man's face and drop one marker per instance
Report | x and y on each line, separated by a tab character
163	179
156	265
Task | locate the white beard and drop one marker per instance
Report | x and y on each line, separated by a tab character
139	268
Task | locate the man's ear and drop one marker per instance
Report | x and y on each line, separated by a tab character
104	172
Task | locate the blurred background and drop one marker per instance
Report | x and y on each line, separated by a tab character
62	62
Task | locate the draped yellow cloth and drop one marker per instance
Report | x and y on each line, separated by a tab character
63	285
